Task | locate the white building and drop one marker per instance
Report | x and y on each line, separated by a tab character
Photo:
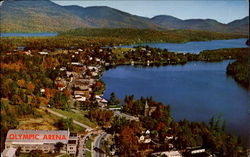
43	53
9	152
168	154
44	140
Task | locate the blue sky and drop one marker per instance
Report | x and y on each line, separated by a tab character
221	10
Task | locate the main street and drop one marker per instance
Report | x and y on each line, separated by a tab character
97	144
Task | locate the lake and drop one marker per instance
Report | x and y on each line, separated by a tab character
28	34
195	46
195	91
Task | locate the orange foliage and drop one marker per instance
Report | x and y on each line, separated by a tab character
50	93
31	86
17	66
161	126
21	83
128	136
67	92
98	84
50	63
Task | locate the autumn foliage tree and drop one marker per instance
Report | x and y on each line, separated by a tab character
128	142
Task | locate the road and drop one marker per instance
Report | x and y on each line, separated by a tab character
74	121
97	144
82	144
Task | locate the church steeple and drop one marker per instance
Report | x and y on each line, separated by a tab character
146	109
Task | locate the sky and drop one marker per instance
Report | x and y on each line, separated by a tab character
223	11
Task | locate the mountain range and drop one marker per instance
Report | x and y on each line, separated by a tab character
47	16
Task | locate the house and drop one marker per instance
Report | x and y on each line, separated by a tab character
43	53
79	93
98	59
60	83
76	64
80	98
28	53
42	90
168	154
72	144
81	86
197	151
63	68
141	139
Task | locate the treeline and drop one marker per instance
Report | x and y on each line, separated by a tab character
239	70
146	35
166	134
222	54
57	43
155	56
109	37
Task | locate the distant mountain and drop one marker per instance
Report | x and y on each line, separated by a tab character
106	17
37	16
240	26
46	16
171	22
237	26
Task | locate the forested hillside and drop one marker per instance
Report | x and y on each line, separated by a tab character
47	16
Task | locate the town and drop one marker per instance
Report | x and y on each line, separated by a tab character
65	84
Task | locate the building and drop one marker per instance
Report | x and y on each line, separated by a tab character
168	154
9	152
72	144
44	140
148	110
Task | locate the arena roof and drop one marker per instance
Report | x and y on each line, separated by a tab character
37	136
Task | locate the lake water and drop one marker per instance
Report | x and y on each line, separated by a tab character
28	34
196	91
196	46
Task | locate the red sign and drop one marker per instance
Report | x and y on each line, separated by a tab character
37	137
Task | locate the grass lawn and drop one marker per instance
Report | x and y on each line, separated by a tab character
89	144
88	154
115	106
23	155
78	116
44	121
65	155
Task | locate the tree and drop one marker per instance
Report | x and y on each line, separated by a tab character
64	124
58	147
36	153
128	142
113	101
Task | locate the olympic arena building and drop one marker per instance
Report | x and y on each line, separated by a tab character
44	140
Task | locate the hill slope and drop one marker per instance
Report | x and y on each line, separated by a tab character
46	16
237	26
106	17
37	16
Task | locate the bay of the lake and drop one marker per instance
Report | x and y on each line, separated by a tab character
195	91
195	46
